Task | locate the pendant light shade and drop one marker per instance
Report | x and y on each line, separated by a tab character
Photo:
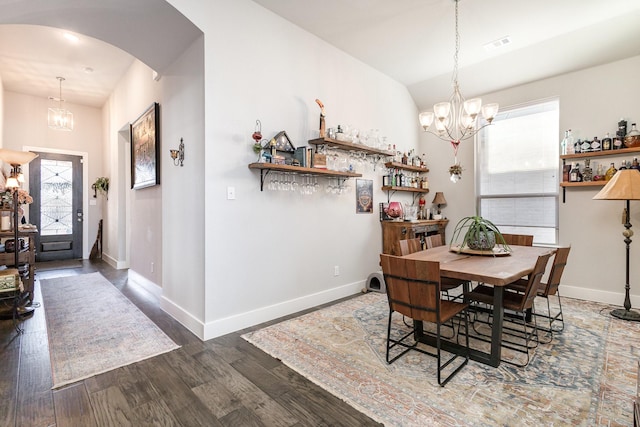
60	118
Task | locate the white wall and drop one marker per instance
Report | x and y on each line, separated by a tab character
592	101
25	127
1	112
270	253
142	228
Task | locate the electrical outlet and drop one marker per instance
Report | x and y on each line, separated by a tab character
336	270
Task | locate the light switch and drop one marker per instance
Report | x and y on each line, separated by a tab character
231	193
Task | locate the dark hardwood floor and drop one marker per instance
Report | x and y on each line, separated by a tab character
222	382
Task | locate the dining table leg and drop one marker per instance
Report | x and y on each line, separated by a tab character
496	331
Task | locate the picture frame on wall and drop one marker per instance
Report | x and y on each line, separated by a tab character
364	196
145	148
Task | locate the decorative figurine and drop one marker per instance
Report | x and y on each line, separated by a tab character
322	124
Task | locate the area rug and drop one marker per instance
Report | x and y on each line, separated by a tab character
586	376
93	328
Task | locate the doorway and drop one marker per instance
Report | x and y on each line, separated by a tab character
55	183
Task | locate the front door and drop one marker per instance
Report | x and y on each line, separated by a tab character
55	183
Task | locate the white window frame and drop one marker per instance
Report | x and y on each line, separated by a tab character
544	197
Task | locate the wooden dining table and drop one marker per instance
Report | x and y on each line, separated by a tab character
498	271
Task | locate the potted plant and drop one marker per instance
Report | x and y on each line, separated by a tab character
477	233
101	186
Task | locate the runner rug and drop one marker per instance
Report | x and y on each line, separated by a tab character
586	376
93	328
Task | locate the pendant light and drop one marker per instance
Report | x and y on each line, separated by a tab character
60	118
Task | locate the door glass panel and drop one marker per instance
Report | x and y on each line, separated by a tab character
56	209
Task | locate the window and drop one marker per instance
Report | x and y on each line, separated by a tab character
517	171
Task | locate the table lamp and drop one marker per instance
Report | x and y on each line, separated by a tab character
625	185
16	159
439	200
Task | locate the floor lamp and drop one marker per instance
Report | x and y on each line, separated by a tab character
16	159
625	185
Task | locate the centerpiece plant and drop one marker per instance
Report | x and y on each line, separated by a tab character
477	233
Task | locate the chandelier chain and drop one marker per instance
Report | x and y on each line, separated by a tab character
457	50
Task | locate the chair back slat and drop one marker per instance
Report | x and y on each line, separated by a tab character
409	246
533	284
413	287
518	239
559	262
433	240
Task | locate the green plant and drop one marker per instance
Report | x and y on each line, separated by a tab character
477	233
101	186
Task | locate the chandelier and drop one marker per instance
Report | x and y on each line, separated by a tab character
59	118
455	120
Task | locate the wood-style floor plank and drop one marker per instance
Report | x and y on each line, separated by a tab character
222	382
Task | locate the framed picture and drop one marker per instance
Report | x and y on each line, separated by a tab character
145	149
364	196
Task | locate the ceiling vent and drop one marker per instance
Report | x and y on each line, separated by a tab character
497	44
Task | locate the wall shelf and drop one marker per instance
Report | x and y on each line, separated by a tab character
396	165
349	146
265	168
578	156
407	189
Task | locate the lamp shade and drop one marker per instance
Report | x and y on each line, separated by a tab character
625	185
439	199
13	157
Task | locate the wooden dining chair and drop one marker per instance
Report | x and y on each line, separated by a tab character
433	240
519	303
413	290
409	246
548	289
448	284
518	239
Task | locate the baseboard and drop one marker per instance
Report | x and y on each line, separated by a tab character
118	265
185	318
240	321
605	297
144	283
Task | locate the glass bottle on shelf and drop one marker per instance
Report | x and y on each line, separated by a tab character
595	144
634	164
574	174
610	172
607	143
587	172
633	131
563	143
585	147
571	149
599	173
623	165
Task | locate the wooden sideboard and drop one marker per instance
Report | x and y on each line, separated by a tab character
393	231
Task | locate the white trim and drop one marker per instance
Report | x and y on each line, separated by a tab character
595	295
184	317
239	321
144	283
118	265
85	187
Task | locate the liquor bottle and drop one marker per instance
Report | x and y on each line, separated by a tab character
623	165
595	144
610	172
622	129
607	143
563	143
405	159
587	172
574	174
599	173
571	149
618	143
577	146
635	165
585	147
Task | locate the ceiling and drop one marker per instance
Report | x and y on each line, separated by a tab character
411	41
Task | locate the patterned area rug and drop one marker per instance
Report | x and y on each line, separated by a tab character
93	328
585	377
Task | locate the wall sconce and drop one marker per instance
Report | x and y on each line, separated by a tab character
178	155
